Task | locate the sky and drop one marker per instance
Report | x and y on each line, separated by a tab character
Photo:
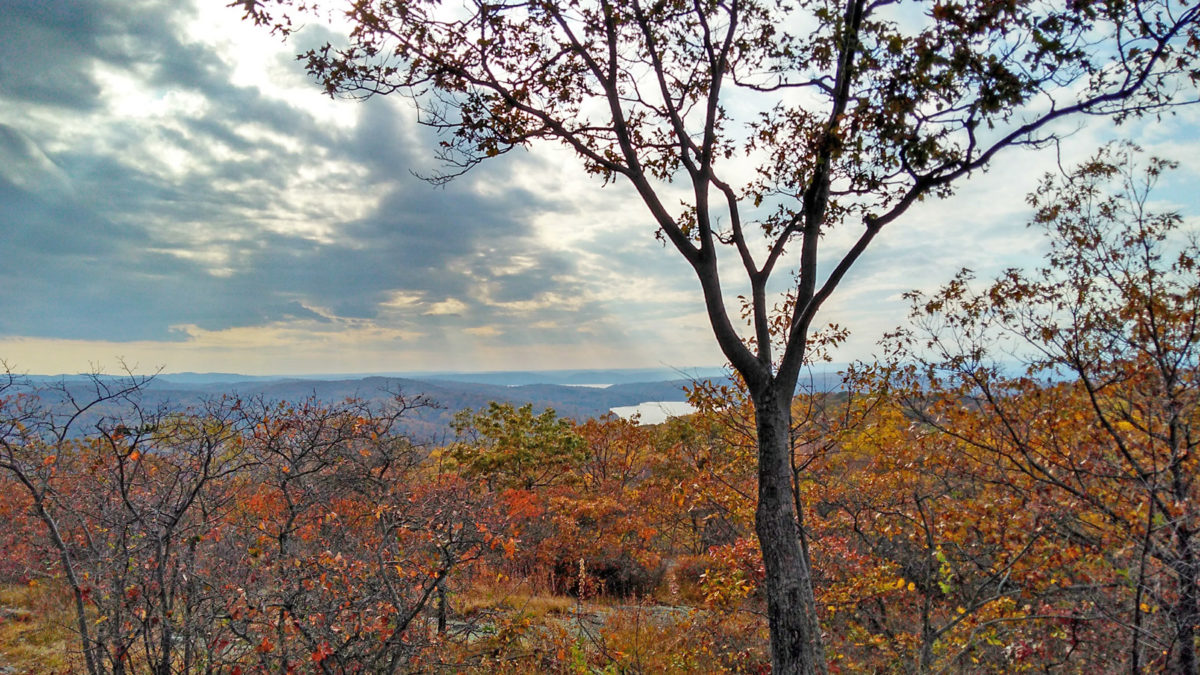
175	194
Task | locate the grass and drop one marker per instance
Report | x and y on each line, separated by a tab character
509	597
532	629
35	630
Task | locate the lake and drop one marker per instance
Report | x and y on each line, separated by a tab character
655	412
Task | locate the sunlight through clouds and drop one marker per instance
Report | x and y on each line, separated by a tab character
179	192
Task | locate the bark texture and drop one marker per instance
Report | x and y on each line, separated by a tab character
796	646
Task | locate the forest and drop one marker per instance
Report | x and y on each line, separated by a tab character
1011	487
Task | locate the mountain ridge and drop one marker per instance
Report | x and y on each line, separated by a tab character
447	395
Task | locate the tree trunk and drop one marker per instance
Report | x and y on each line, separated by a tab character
442	609
791	607
1187	606
90	648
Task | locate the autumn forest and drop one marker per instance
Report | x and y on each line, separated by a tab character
1011	487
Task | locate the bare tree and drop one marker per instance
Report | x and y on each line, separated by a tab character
40	430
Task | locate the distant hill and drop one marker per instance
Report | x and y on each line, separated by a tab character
579	403
569	401
431	424
448	392
576	377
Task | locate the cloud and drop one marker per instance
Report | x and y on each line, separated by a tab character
25	167
142	189
33	72
447	307
170	181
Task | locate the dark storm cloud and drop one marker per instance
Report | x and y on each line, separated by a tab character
99	244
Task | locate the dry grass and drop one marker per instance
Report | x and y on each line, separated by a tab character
490	592
679	640
498	598
35	630
531	630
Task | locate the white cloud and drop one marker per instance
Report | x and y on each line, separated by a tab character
449	306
